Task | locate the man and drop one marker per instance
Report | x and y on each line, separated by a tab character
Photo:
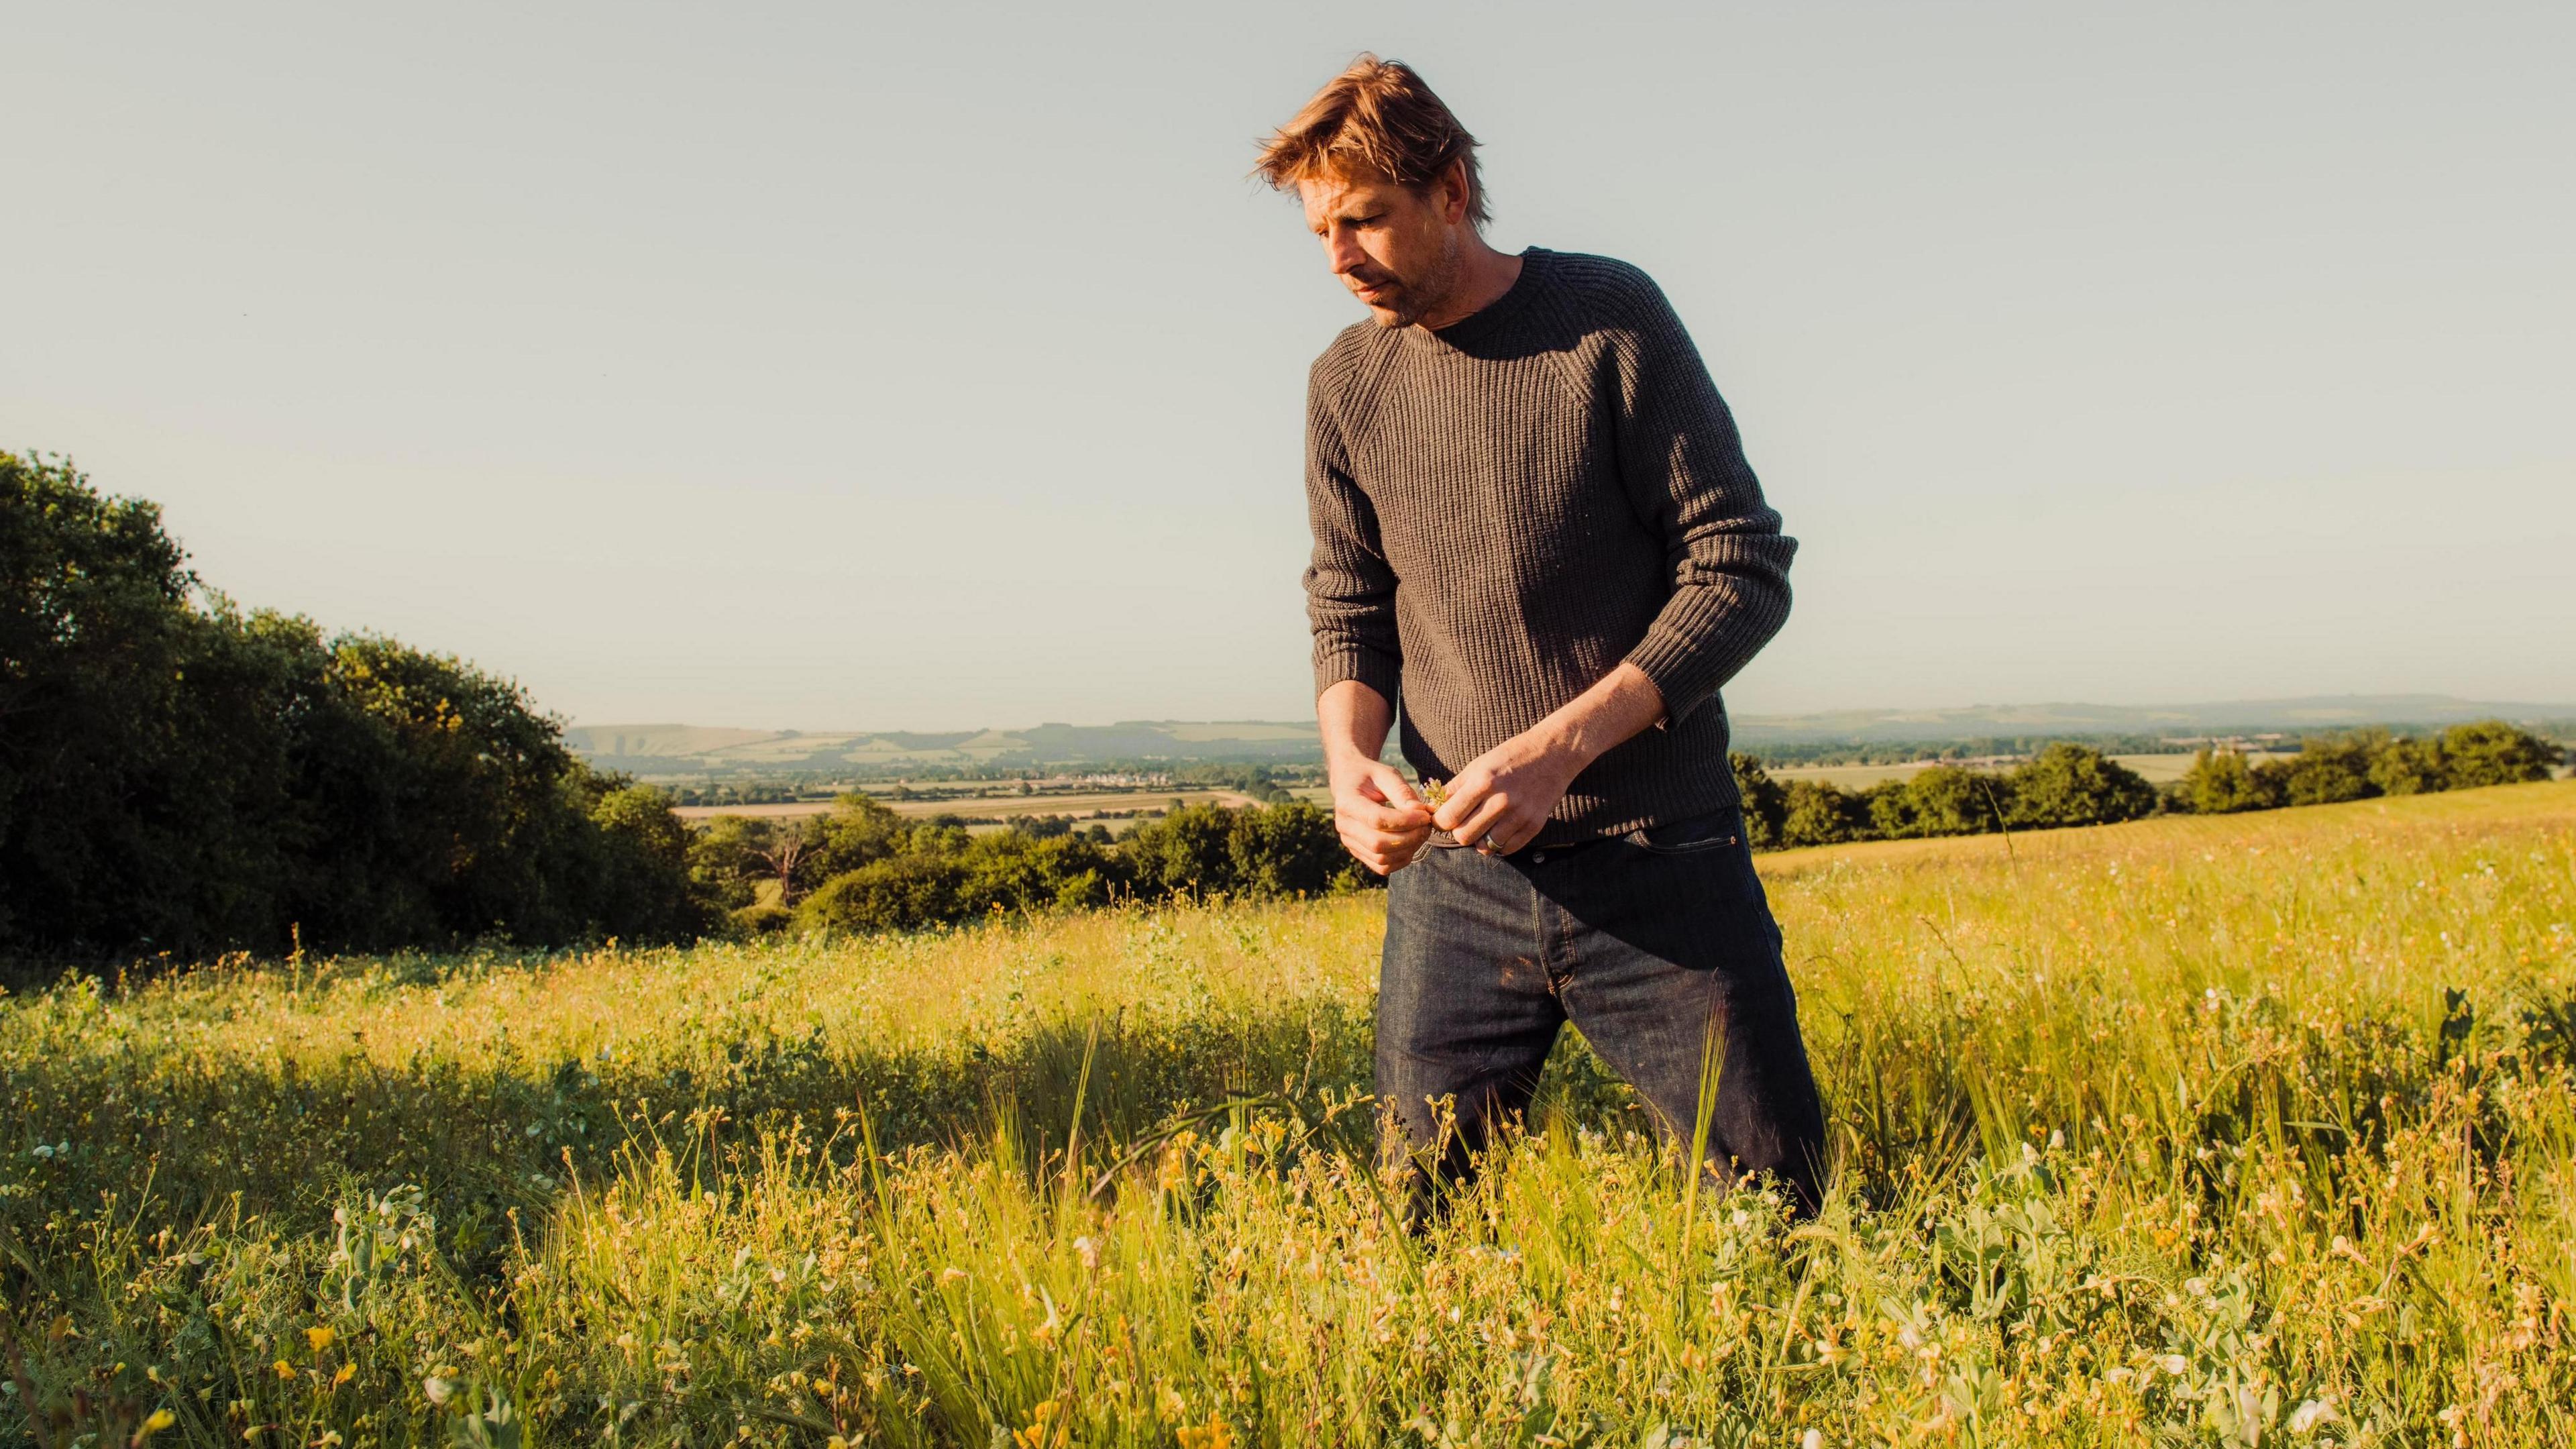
1534	524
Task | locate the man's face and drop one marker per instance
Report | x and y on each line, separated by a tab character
1396	248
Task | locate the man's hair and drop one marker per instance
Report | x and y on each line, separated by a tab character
1376	119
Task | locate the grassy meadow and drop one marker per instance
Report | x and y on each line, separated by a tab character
2246	1130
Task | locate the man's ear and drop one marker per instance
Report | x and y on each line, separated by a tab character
1453	192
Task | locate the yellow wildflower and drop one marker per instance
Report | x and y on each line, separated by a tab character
284	1369
1216	1434
320	1337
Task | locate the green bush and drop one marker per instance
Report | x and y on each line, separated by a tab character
1766	805
930	874
2073	785
2219	782
2408	767
1943	800
1819	814
2492	752
180	778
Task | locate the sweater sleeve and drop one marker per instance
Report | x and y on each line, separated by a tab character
1350	589
1683	466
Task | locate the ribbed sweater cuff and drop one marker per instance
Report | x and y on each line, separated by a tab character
1697	644
1368	666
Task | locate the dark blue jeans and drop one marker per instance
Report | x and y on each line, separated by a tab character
1643	941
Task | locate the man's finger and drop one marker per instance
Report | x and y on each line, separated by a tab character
1465	793
1483	821
1384	819
1394	788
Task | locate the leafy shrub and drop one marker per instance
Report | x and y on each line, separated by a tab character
2408	767
931	874
2221	783
1766	805
179	777
2492	752
1819	814
2073	785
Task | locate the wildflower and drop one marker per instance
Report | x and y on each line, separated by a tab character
2310	1414
161	1419
1812	1439
2173	1363
1214	1435
347	1372
320	1337
284	1369
437	1390
1088	1250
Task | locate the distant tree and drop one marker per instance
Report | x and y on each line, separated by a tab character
1890	810
1010	871
2327	771
1766	805
903	892
2408	767
1287	850
2219	782
138	806
1819	814
2491	752
179	777
2076	785
1947	800
727	861
1188	849
645	880
859	831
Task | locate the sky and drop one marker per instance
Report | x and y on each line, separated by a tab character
927	367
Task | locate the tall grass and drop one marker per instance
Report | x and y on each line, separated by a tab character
2249	1130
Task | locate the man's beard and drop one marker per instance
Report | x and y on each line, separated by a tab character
1416	296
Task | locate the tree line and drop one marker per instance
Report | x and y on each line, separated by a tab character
2070	784
863	867
180	777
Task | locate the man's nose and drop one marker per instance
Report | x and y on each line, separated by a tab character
1342	249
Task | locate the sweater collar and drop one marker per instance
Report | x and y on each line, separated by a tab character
1486	320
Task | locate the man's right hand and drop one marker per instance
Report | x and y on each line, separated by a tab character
1382	822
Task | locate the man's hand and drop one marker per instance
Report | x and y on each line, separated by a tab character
1382	822
1502	799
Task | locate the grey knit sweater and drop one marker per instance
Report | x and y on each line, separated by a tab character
1508	507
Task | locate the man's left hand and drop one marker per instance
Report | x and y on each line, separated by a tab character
1501	800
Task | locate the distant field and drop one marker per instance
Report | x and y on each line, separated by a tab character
1075	803
2158	770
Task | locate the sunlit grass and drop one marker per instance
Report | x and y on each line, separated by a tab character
2256	1129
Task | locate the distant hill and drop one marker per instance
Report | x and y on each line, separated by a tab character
669	750
2244	716
660	750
